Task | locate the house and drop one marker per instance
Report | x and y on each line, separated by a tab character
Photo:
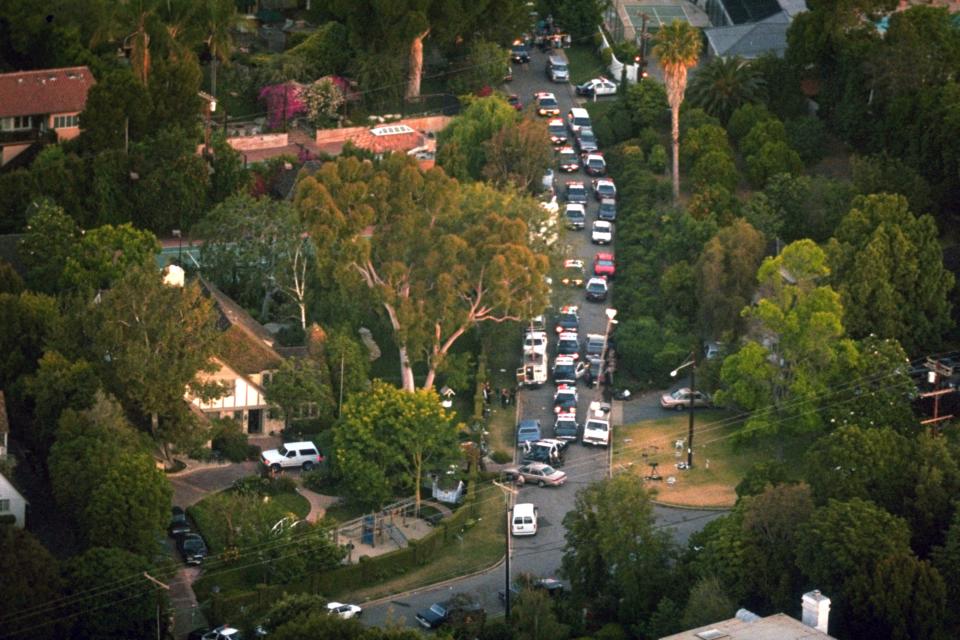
36	103
13	506
746	625
750	30
246	359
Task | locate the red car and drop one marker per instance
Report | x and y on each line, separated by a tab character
604	265
514	101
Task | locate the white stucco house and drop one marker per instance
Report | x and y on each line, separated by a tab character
13	506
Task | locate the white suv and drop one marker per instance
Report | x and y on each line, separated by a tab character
292	454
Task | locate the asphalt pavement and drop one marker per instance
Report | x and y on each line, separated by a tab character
540	555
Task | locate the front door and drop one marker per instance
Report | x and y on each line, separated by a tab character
255	421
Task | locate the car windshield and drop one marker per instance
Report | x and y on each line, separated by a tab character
564	370
596	426
605	263
568	343
557	130
568	318
548	102
283	451
596	162
574	213
608	207
581	122
573	270
547	470
605	188
438	609
575	189
597	286
568	156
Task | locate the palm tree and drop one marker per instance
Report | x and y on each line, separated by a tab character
219	19
677	48
724	84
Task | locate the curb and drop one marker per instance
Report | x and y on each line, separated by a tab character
435	585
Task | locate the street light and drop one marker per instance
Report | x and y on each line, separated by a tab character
692	363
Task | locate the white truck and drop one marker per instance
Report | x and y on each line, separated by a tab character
596	430
534	372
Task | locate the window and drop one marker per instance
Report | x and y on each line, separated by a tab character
60	122
16	123
4	505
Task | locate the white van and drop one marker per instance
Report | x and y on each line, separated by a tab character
577	118
524	519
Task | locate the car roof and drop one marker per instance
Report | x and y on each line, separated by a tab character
594	154
608	201
544	94
529	422
604	180
602	224
555	122
569	308
567	150
578	112
305	443
568	335
575	183
604	256
563	360
536	465
597	280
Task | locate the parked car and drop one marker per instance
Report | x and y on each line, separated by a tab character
192	548
602	232
576	192
223	632
568	160
577	118
557	131
178	523
542	475
547	104
568	344
586	140
519	53
565	399
569	319
566	371
604	188
551	586
572	275
594	346
535	342
575	216
597	86
461	606
597	289
528	431
594	164
566	426
596	431
680	399
604	265
292	454
607	210
514	101
345	611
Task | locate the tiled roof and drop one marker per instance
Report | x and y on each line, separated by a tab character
389	142
27	93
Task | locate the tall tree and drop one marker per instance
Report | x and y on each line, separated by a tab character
50	239
888	266
26	322
518	155
219	18
725	84
300	388
151	339
726	277
616	571
388	440
258	249
461	147
533	618
58	384
31	584
437	258
677	48
117	111
103	255
784	377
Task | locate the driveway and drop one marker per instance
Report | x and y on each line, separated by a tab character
540	554
189	487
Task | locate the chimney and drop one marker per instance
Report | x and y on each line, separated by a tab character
816	610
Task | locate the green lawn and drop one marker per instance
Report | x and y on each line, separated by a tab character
718	465
345	511
504	342
585	63
481	546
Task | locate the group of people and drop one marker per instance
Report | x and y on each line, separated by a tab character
507	396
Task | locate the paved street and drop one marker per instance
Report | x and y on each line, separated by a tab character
540	554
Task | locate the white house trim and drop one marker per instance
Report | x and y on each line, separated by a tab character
12	502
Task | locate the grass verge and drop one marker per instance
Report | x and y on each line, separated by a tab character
719	466
504	348
481	546
585	63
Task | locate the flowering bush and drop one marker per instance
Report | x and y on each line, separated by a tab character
284	102
323	99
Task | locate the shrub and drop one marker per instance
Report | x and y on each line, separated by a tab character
230	440
501	457
606	56
321	479
762	133
648	138
772	159
807	136
715	169
657	161
744	119
696	118
702	140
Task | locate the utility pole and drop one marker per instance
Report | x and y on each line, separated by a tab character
937	371
692	363
508	494
159	584
644	36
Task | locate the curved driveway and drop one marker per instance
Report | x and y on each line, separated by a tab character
540	554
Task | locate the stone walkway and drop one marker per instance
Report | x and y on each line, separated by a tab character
319	503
